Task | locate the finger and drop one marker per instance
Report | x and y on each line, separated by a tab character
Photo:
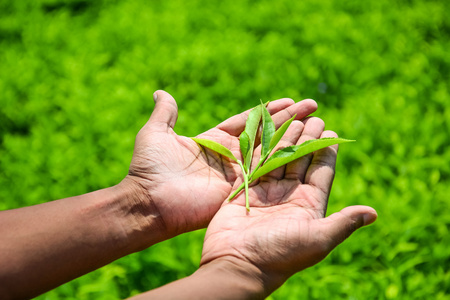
301	109
165	112
297	169
339	226
236	124
290	137
320	173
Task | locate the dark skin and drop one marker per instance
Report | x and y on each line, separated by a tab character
210	176
173	187
247	255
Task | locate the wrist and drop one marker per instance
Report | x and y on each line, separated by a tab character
260	282
235	278
224	278
57	241
138	218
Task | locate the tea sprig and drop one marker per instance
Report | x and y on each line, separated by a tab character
269	140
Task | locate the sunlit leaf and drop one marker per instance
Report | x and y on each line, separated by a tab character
279	133
244	145
219	148
251	129
288	154
267	132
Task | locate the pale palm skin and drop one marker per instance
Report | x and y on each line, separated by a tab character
183	183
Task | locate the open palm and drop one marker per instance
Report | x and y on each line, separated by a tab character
184	183
286	229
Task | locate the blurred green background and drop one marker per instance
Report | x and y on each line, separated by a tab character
76	84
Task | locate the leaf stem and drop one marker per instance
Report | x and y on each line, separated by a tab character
236	192
249	178
247	203
245	175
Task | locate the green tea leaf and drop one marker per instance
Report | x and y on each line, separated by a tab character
267	132
251	128
288	154
279	133
219	148
244	145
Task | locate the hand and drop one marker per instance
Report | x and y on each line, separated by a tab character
182	183
286	230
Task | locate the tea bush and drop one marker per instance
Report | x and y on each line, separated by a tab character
77	78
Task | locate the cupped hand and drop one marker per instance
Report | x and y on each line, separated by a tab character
183	183
285	230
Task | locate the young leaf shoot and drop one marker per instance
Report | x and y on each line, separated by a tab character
269	140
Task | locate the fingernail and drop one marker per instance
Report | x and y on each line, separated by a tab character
155	96
369	219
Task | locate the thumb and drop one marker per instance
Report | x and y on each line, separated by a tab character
165	111
341	225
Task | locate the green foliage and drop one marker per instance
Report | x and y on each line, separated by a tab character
76	80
